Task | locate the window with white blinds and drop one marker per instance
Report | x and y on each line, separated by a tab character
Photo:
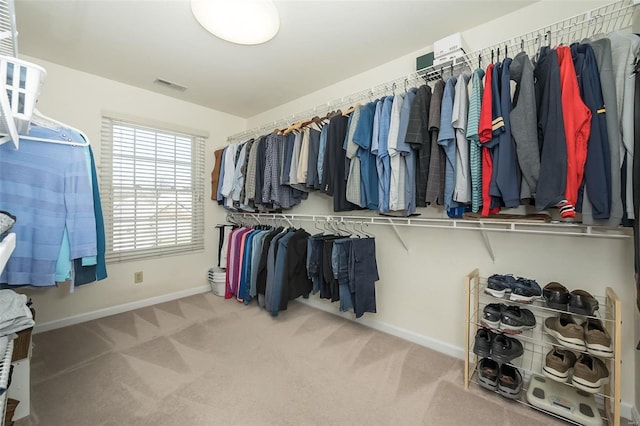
152	189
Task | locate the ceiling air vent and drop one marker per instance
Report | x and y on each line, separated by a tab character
170	85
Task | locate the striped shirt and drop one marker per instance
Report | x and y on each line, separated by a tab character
473	122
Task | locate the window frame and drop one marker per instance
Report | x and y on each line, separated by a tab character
115	158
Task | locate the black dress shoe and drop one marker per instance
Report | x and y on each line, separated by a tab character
556	295
582	302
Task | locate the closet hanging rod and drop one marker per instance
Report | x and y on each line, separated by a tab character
605	19
563	229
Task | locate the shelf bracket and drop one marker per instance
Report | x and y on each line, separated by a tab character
487	242
287	219
395	229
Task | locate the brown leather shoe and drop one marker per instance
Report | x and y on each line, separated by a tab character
568	333
557	364
590	373
597	338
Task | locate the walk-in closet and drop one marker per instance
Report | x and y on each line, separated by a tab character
267	212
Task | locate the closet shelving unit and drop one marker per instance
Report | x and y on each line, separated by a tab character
8	47
5	366
6	248
482	226
20	388
537	343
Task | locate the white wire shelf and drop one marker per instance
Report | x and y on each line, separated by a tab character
481	225
5	367
551	228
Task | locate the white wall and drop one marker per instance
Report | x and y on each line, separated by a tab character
422	291
78	98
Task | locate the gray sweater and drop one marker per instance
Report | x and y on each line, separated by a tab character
524	124
624	49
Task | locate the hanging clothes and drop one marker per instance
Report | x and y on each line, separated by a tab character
363	137
312	181
597	169
407	174
475	148
507	175
334	180
446	139
498	128
551	135
344	269
524	124
215	173
419	140
354	176
625	48
57	195
437	160
577	126
486	132
459	116
602	51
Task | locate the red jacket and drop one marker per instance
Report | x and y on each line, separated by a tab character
577	124
485	131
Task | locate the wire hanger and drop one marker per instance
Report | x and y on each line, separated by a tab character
44	121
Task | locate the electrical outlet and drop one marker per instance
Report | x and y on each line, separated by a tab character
137	277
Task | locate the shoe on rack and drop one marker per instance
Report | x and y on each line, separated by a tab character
488	373
505	348
556	296
525	290
566	331
499	285
590	373
508	319
509	381
515	319
483	342
583	303
492	314
597	339
557	364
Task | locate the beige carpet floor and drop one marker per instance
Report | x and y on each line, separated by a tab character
203	360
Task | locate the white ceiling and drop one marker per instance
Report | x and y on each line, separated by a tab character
319	43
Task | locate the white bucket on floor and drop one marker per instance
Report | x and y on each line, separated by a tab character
217	278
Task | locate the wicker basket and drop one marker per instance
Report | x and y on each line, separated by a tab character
12	404
22	343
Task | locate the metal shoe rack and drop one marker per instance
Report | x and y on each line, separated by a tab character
537	343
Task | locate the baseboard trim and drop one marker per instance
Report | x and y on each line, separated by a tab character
113	310
403	333
628	411
634	415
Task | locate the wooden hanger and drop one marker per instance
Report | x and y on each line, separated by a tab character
349	110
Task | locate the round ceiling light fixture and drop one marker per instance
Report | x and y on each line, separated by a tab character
238	21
